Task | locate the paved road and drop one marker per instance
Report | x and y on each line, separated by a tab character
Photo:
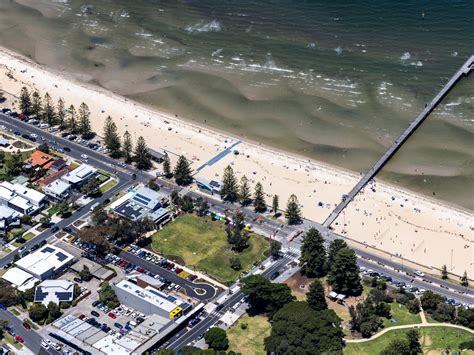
267	226
190	287
214	317
31	338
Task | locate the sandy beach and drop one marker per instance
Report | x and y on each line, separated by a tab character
395	221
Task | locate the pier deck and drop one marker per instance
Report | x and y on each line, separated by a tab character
464	70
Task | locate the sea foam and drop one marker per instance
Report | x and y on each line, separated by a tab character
213	26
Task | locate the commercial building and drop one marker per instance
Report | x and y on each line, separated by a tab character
210	187
156	156
54	291
46	262
149	300
21	198
98	271
19	278
58	190
80	175
144	202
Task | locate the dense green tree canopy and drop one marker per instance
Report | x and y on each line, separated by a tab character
344	273
216	339
313	254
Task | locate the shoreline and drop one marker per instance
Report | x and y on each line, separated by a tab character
303	173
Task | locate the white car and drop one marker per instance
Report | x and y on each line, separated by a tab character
84	156
3	127
33	135
419	273
45	345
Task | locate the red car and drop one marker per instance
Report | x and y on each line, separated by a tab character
26	325
21	116
112	315
82	316
123	263
19	339
140	269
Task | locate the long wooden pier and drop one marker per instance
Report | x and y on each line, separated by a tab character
464	70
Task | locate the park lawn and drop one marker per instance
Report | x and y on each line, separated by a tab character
107	186
401	315
201	244
249	341
433	340
23	156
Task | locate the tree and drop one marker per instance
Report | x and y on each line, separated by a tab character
464	280
36	105
444	272
54	312
344	273
182	171
25	101
413	306
44	148
244	192
202	207
38	312
71	119
13	164
229	189
236	237
298	329
187	204
91	187
465	317
444	313
85	274
107	296
275	249
167	166
313	254
8	295
264	296
216	339
334	247
3	323
397	347
45	221
61	114
364	319
142	157
127	147
315	297
275	202
293	211
413	339
48	110
235	263
111	138
84	126
96	235
430	301
259	199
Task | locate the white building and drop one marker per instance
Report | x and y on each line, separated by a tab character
46	262
54	291
19	278
58	189
80	175
21	198
8	217
149	300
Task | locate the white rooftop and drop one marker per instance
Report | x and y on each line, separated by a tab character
44	259
7	212
21	279
79	174
150	295
57	187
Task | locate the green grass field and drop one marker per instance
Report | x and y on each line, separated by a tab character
402	316
107	186
249	341
433	340
201	244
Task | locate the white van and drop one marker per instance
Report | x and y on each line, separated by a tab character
43	125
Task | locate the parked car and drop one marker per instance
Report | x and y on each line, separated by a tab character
95	313
95	303
82	316
54	229
112	315
66	149
19	339
118	325
67	229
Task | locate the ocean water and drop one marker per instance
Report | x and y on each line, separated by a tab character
334	80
